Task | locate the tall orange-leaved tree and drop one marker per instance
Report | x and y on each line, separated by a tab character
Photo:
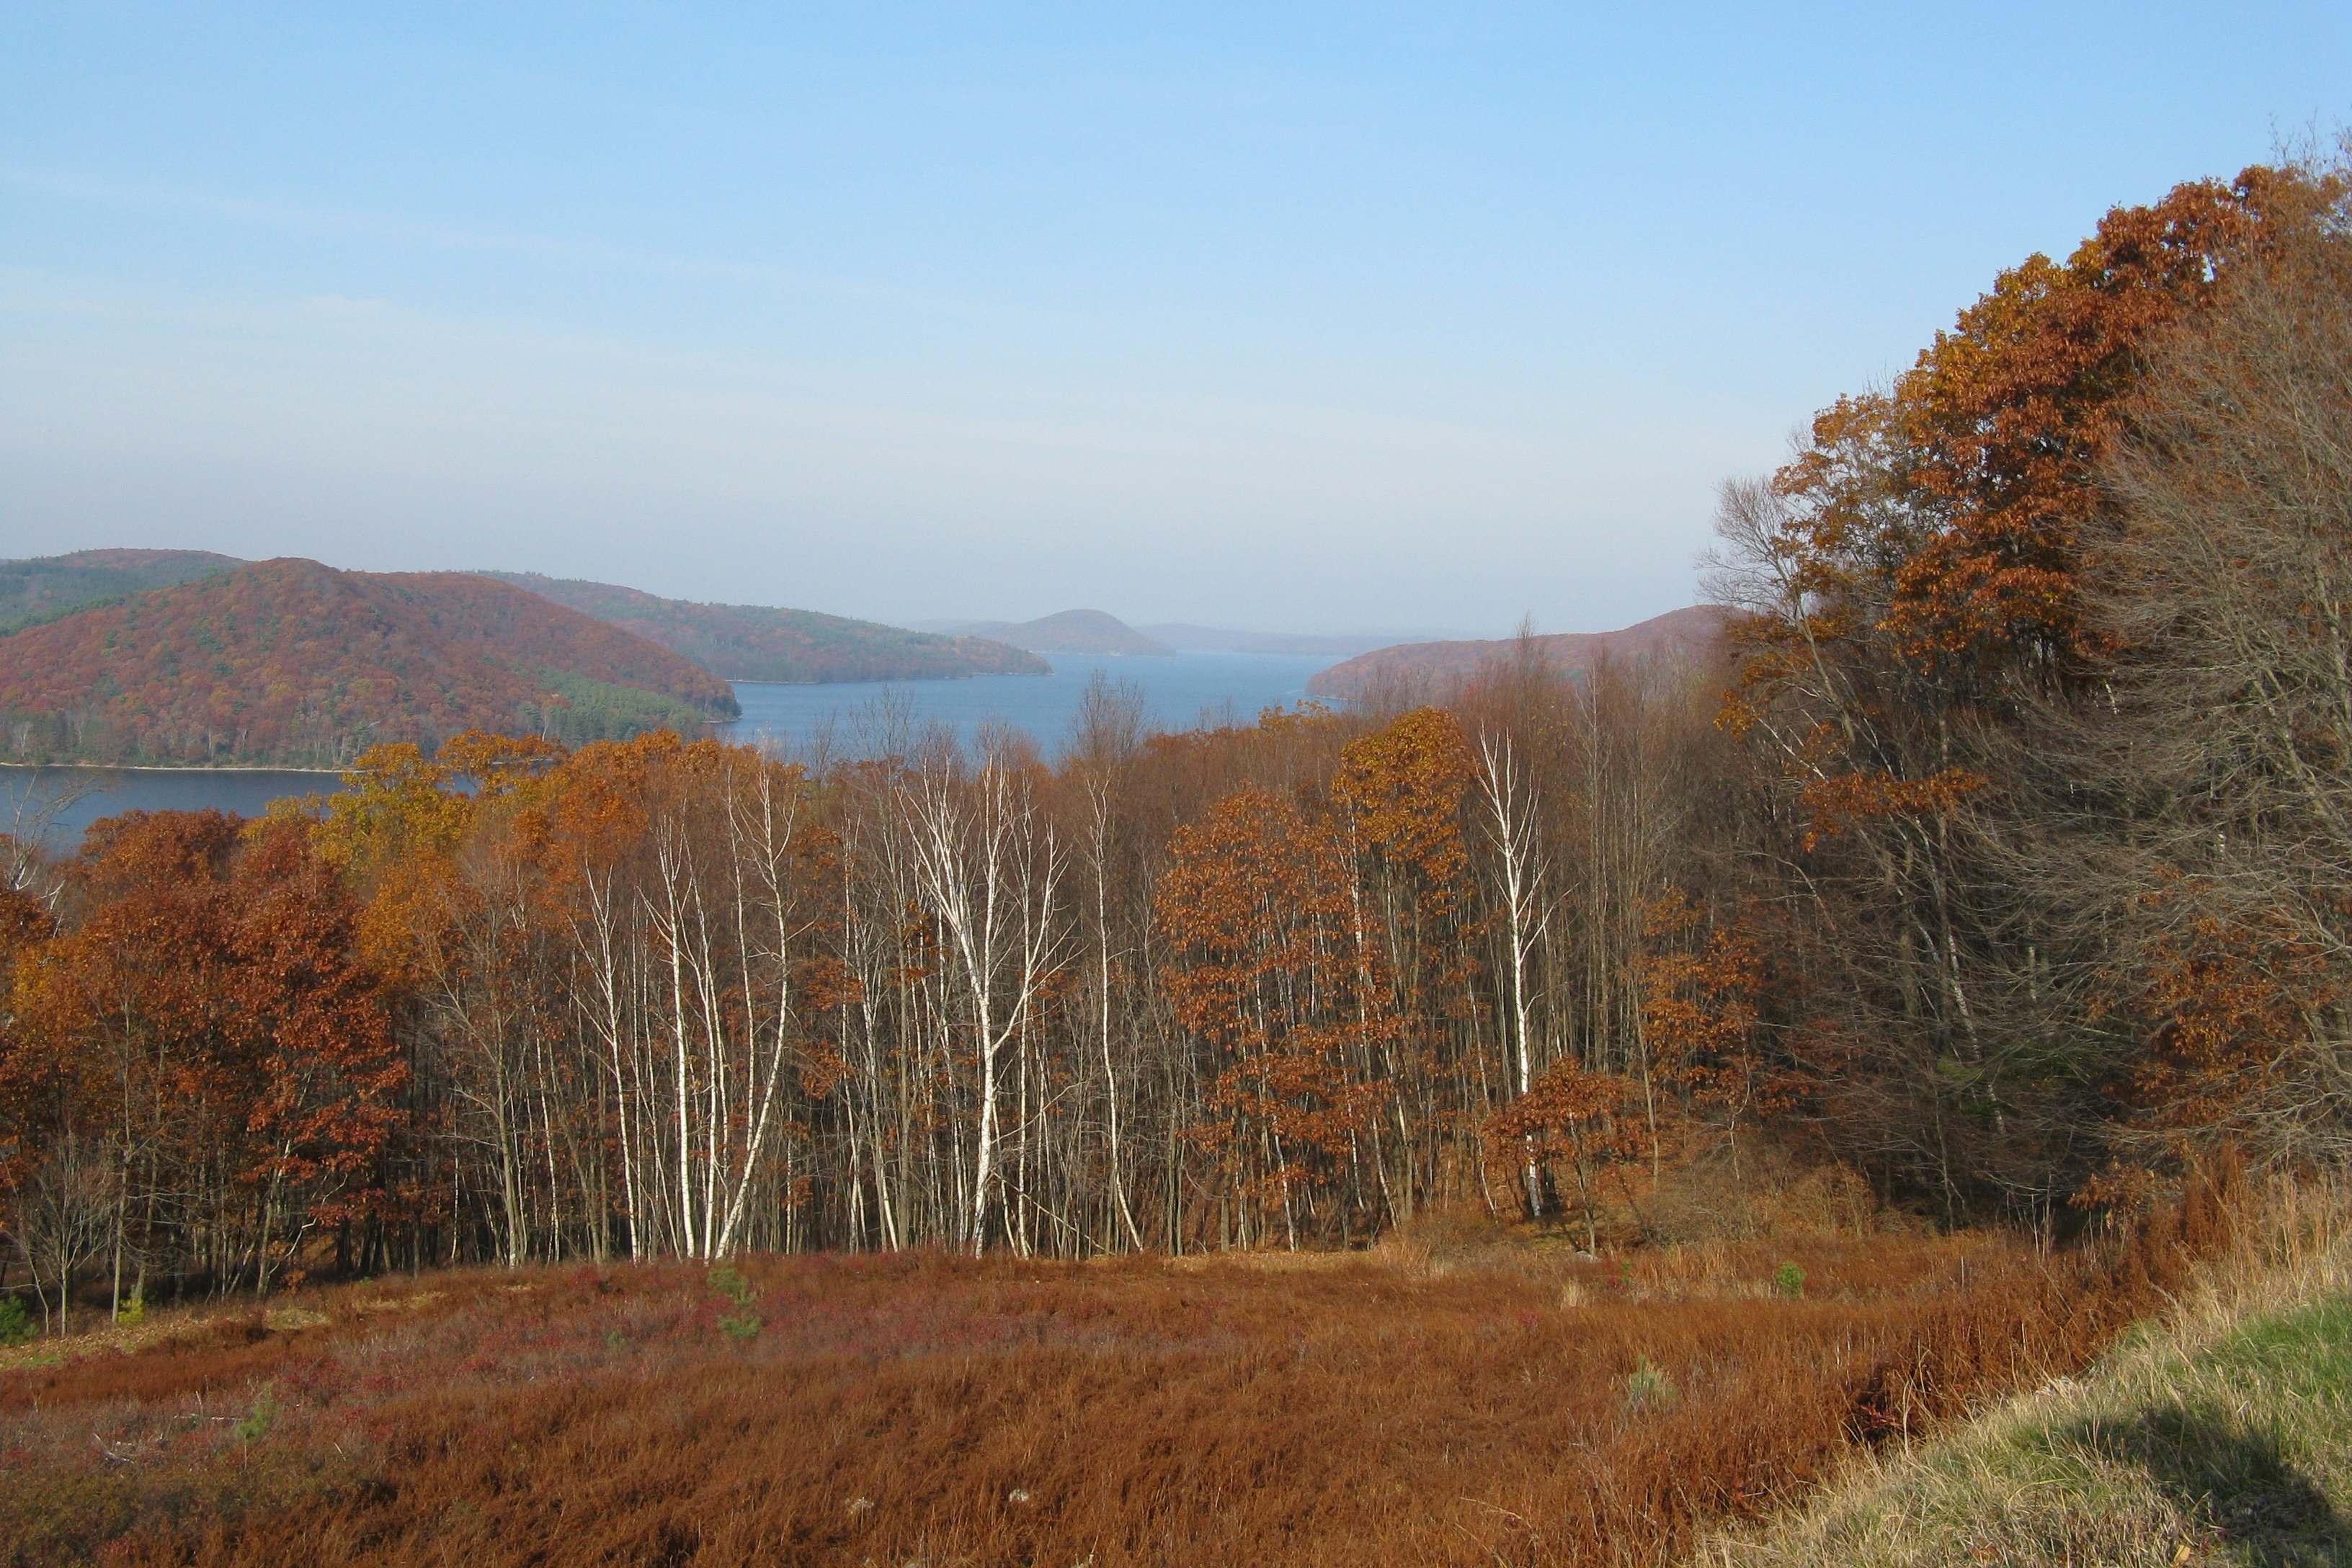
1270	971
1400	794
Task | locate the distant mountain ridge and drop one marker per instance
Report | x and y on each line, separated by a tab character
757	643
49	586
1186	638
294	663
1098	632
1091	632
1677	632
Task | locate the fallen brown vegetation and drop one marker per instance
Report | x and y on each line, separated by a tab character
1454	1399
2215	1437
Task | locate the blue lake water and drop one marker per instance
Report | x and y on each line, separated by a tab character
851	717
1178	693
66	801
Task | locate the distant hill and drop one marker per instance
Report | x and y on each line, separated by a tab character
750	642
1072	631
1437	663
293	663
52	585
1189	638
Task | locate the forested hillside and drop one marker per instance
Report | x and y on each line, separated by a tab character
752	642
55	585
2005	871
292	662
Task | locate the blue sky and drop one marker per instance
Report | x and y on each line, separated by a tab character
1314	318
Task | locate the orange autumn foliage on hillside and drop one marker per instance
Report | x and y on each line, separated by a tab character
204	1012
288	661
1970	634
1704	989
1274	971
1591	1125
2229	995
1834	805
2010	413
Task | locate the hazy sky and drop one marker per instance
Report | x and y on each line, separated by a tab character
1317	317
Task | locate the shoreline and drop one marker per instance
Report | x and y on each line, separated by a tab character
176	768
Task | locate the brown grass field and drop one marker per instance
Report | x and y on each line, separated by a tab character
1506	1405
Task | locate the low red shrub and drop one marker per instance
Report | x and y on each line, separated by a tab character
925	1407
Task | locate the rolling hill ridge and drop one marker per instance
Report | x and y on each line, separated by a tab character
56	585
294	663
753	642
1185	637
1677	632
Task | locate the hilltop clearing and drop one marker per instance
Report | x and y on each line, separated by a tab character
753	642
291	662
54	585
1425	667
1473	1402
1071	631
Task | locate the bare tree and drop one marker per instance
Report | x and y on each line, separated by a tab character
2223	743
989	867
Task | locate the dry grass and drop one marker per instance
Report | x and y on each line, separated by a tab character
2222	1437
1446	1404
118	1338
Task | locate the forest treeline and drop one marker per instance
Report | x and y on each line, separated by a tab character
2004	858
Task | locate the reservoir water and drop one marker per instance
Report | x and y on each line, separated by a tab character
850	718
66	801
1178	693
